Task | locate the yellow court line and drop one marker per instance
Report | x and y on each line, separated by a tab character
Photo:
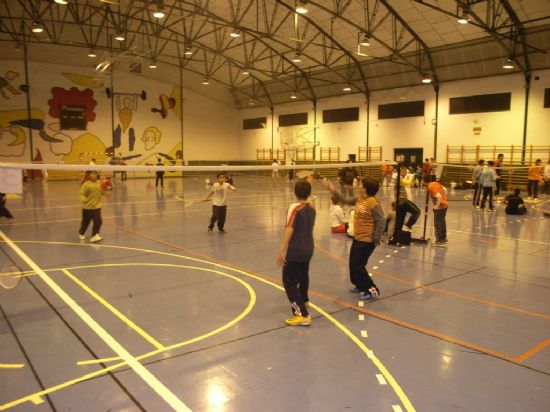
12	365
94	361
393	383
114	310
100	372
140	370
402	396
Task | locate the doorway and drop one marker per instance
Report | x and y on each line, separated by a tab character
409	156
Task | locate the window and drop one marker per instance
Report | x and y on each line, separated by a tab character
547	98
483	103
257	123
72	117
293	119
349	114
398	110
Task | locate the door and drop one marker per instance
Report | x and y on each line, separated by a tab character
409	156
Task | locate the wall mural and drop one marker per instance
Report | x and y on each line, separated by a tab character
71	125
5	86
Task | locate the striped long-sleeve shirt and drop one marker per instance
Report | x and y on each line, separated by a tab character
368	217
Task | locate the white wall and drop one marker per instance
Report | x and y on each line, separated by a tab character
497	128
404	132
210	129
538	120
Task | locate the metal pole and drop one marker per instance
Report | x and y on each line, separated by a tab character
113	114
436	119
181	117
526	111
314	129
272	129
368	125
426	214
28	102
397	190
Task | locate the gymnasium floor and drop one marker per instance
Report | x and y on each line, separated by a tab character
467	327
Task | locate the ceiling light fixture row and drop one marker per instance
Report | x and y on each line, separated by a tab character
92	53
293	96
346	88
153	64
206	81
235	33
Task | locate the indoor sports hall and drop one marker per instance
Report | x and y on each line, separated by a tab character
161	162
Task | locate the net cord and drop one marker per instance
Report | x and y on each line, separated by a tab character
152	168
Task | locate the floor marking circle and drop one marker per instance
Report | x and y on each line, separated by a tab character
393	383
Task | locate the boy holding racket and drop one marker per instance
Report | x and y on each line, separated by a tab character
295	253
219	206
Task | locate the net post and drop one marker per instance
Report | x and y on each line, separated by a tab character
397	190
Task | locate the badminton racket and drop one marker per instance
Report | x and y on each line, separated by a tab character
11	274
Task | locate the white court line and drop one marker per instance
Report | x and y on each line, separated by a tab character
364	334
143	373
381	379
361	303
361	317
397	408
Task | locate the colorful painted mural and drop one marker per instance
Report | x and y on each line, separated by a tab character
69	118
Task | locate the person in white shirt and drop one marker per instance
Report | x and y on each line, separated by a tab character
219	207
338	220
275	173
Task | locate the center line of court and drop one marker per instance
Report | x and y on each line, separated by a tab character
143	373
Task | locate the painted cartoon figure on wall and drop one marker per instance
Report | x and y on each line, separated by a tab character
5	85
126	104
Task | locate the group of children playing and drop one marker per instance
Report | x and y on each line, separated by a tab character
487	180
369	224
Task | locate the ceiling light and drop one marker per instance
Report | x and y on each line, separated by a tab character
159	12
293	96
120	37
508	64
365	41
297	58
301	7
92	53
251	102
245	72
206	82
235	33
426	79
37	28
346	88
153	64
61	2
359	52
463	18
188	51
